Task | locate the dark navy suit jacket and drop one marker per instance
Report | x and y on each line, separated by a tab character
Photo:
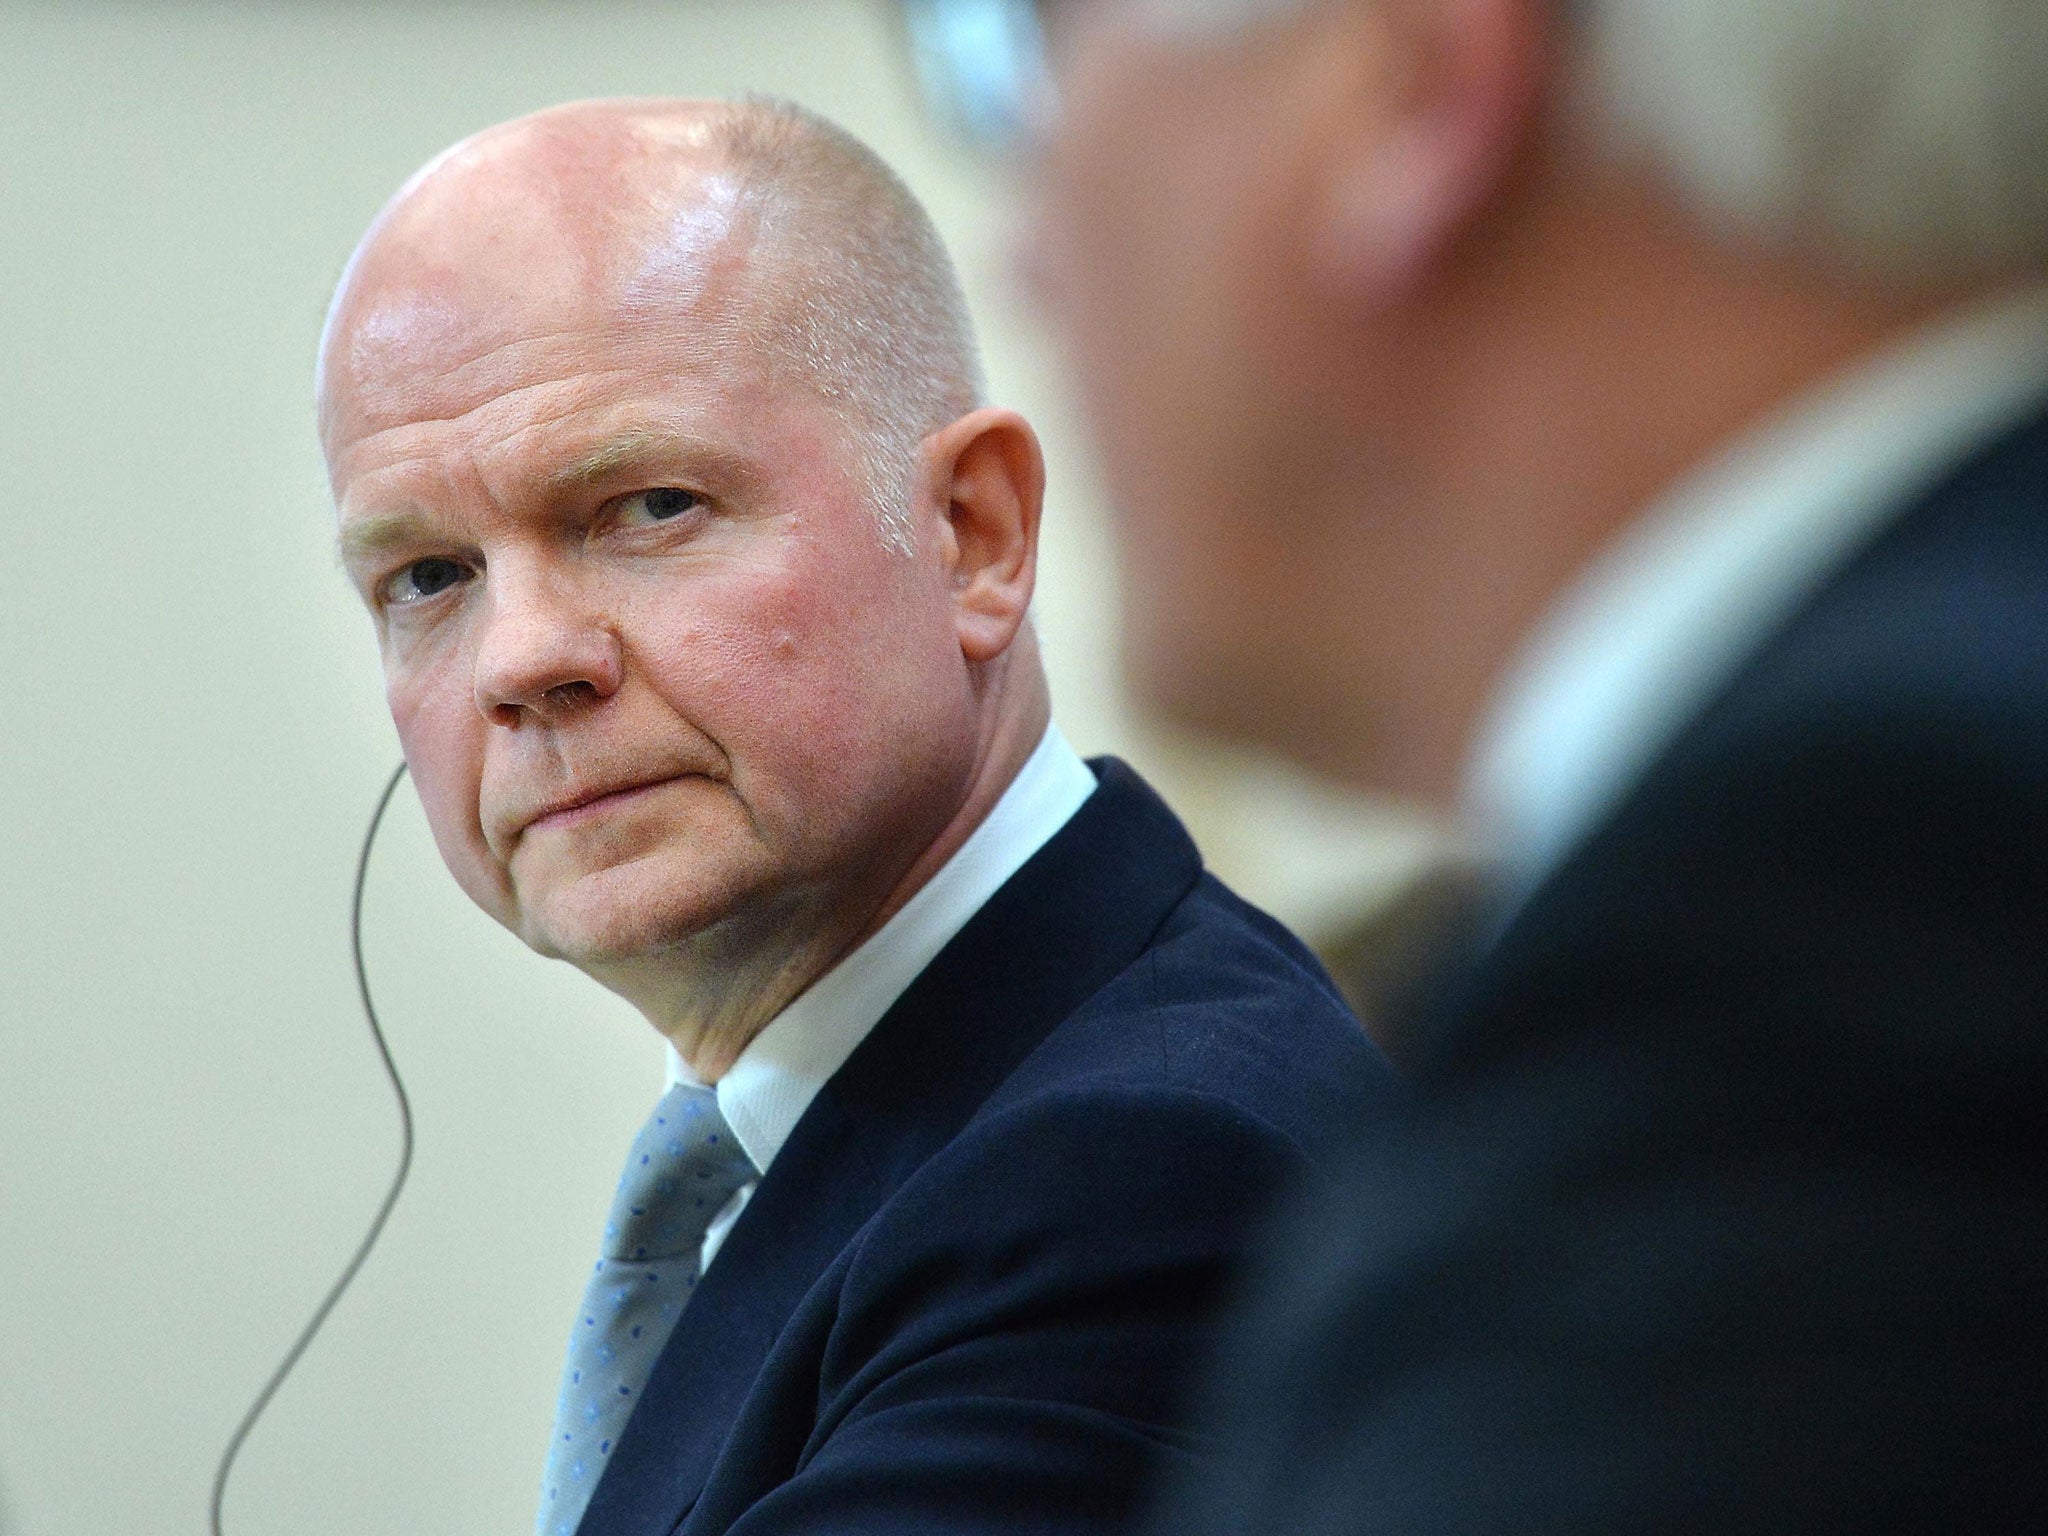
967	1295
1724	1207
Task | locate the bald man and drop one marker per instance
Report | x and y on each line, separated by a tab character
701	572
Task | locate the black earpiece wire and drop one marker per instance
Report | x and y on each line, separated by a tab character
348	1274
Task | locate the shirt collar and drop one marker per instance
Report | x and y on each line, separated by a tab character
1660	621
768	1089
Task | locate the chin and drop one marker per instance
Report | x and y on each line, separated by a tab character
626	914
1203	692
1279	710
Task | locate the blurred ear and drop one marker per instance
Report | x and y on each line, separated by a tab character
989	479
1427	104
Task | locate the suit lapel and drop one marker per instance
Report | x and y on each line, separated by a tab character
1078	912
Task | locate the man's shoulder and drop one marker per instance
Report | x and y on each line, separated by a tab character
1112	958
1139	1144
1846	855
1071	1241
1223	1006
1746	1095
1220	1057
1932	638
1901	711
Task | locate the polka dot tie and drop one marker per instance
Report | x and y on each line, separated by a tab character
685	1165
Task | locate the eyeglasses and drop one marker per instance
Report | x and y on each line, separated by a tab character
985	67
982	66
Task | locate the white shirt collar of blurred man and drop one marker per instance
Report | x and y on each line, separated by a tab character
1658	624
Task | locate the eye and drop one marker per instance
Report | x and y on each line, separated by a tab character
422	579
662	504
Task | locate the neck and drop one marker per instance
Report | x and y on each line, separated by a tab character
1014	731
1579	364
714	993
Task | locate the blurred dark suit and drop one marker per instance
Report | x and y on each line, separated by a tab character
1724	1208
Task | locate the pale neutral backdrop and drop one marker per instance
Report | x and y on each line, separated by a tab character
193	1128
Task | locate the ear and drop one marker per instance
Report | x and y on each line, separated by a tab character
1433	103
988	479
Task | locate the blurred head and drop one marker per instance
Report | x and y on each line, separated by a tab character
1390	312
699	571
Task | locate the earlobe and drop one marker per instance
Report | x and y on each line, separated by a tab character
989	476
1414	157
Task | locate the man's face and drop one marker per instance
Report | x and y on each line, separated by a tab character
656	674
1159	242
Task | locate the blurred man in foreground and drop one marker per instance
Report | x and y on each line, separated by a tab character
1625	418
701	574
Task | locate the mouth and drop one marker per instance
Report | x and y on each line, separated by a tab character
588	805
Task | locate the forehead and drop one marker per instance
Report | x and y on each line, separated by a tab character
535	420
499	274
521	415
436	371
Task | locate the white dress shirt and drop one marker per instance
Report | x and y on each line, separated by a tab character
1685	595
768	1089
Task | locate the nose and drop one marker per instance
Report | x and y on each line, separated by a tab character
543	652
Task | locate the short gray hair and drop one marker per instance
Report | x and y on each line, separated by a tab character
1910	136
1905	136
858	297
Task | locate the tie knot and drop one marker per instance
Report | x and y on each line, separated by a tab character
685	1165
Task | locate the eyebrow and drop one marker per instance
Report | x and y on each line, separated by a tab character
362	540
616	453
365	540
645	446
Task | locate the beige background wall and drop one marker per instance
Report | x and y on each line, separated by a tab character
193	1129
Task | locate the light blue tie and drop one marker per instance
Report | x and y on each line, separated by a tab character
685	1165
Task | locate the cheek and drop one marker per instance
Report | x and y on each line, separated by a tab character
1143	297
443	739
731	656
811	677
